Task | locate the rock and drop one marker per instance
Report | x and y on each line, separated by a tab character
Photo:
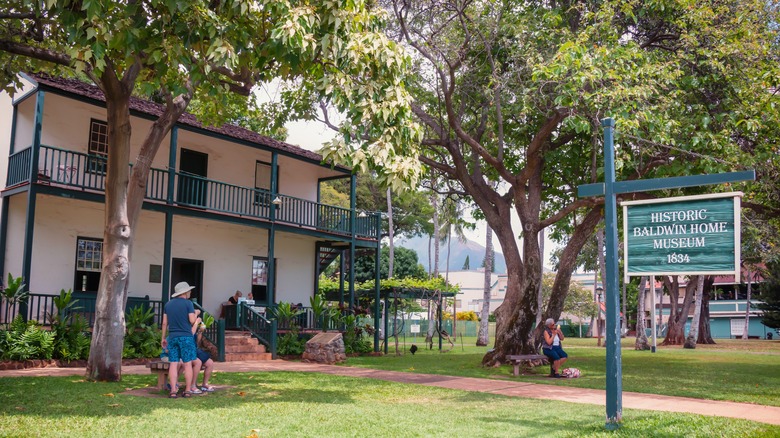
325	348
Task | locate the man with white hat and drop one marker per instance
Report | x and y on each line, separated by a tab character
179	316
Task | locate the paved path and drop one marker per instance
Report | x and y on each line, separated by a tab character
633	400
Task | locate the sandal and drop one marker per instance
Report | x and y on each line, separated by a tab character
207	388
173	395
187	394
196	391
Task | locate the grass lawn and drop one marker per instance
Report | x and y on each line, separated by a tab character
732	370
307	404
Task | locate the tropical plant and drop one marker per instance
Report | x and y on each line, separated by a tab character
291	344
142	336
14	291
71	330
286	315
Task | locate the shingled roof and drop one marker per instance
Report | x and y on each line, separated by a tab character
79	88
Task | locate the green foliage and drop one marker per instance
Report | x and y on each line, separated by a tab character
14	290
291	344
142	336
71	331
405	265
286	314
25	341
770	296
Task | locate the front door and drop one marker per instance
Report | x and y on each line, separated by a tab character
193	186
190	271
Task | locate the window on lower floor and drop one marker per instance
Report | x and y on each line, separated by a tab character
260	279
89	264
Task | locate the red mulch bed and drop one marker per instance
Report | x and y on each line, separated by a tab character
20	365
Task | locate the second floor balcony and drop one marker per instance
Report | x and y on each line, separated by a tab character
71	170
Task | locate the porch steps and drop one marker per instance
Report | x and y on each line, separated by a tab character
242	346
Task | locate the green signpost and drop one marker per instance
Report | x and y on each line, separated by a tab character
610	189
688	235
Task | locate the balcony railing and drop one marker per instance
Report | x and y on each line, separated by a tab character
87	172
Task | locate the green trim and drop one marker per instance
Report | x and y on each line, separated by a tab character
13	131
3	233
377	288
172	163
167	258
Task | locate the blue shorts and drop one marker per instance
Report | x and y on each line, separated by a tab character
203	355
181	349
555	353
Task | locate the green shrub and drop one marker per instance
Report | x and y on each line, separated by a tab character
25	341
142	336
291	344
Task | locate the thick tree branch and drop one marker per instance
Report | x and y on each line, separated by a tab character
36	53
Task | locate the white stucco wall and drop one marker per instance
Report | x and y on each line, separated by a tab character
59	222
295	260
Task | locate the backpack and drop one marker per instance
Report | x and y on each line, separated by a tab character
571	373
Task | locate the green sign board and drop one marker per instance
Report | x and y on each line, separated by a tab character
688	235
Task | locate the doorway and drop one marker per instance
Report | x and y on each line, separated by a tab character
193	169
190	271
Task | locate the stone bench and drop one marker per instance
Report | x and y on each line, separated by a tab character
517	359
161	369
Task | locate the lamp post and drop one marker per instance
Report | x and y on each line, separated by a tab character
599	291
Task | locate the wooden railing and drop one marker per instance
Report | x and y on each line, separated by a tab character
39	307
87	172
258	325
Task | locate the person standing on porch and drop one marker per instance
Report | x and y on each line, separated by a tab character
178	318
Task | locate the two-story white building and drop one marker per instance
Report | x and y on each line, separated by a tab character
226	209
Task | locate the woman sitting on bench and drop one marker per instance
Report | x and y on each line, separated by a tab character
552	346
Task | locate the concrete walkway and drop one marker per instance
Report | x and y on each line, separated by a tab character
632	400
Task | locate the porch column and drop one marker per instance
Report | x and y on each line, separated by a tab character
352	223
172	164
377	288
29	225
166	274
3	235
271	283
342	268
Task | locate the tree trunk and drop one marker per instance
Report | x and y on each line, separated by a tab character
539	298
641	342
746	329
591	328
483	337
690	341
105	355
601	258
391	254
705	334
516	332
678	315
435	272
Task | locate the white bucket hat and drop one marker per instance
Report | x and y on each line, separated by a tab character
181	288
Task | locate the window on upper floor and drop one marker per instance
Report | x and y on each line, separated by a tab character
263	183
89	264
98	146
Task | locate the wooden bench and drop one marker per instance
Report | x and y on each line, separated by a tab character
517	359
161	368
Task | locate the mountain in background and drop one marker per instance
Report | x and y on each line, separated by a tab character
460	250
